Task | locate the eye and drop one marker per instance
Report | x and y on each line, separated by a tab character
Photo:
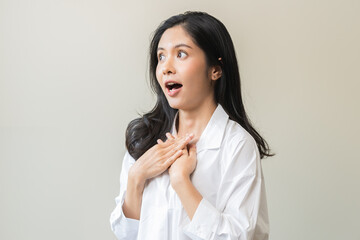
160	56
182	54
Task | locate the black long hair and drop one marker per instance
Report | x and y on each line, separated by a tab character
213	38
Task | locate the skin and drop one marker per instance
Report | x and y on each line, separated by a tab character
181	60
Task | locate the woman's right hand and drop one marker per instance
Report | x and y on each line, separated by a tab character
158	158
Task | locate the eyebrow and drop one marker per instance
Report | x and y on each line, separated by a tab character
176	46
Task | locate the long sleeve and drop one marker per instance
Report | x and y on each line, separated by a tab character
240	211
123	227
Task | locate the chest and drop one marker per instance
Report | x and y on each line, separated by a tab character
206	179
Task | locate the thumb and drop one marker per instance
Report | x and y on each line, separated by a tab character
192	150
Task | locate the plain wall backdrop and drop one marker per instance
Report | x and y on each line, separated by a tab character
74	73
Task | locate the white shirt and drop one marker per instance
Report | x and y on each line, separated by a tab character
228	175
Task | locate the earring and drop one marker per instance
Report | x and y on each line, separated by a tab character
220	60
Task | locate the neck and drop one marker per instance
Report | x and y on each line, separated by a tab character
195	120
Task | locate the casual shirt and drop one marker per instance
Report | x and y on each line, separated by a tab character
228	175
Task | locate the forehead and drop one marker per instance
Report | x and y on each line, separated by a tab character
174	36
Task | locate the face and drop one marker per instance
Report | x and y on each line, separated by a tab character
182	71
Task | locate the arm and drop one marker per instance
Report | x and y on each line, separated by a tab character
188	194
240	212
123	227
180	180
125	217
152	163
133	197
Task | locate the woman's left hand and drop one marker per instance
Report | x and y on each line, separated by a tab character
184	165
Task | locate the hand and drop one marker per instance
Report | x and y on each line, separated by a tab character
184	165
158	158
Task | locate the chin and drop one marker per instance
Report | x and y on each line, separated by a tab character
175	104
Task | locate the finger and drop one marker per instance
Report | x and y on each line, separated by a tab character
172	159
168	141
180	143
192	150
170	151
162	144
185	141
190	136
169	136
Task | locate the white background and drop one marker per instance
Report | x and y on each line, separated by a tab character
74	73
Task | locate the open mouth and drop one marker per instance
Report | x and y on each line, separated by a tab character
173	86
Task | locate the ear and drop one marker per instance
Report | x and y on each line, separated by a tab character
216	72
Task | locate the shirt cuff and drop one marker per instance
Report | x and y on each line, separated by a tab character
204	222
123	227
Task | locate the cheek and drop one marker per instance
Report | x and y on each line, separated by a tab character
197	75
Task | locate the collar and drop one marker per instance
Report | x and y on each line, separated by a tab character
213	133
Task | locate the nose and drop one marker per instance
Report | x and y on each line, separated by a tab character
168	67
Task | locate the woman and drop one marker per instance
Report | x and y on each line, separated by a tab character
192	167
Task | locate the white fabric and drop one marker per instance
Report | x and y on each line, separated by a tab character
229	177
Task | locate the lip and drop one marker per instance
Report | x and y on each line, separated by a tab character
173	92
171	81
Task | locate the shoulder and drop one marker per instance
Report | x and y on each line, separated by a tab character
235	134
128	161
239	146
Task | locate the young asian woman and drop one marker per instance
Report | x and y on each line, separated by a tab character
192	169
